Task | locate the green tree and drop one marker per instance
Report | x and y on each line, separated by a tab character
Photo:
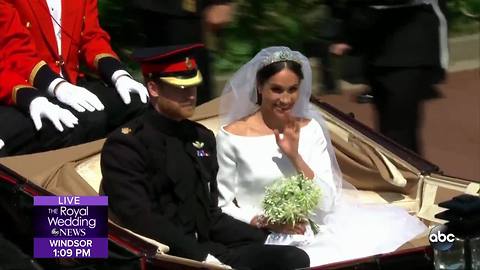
124	28
464	16
259	24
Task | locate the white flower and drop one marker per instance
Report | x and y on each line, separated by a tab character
291	200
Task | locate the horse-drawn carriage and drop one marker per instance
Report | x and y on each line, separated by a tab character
380	169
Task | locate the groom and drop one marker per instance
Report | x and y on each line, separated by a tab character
159	172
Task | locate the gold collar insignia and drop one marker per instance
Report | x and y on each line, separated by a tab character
126	130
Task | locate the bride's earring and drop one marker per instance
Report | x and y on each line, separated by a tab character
259	97
255	96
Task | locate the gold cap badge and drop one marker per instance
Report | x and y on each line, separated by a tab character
188	63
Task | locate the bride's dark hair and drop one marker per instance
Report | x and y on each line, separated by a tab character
268	71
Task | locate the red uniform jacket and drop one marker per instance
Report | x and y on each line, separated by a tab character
82	36
17	57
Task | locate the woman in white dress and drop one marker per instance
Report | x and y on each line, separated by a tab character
269	130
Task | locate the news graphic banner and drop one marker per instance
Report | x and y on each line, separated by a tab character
70	227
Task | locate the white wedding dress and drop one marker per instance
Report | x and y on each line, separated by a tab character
348	230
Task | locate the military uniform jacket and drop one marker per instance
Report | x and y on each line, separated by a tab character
82	37
160	176
16	49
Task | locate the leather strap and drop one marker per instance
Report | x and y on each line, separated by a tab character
387	169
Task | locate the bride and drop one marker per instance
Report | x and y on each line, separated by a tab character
269	130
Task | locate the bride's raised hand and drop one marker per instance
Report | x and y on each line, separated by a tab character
289	145
291	134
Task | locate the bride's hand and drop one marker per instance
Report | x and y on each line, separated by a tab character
289	145
261	221
298	228
291	134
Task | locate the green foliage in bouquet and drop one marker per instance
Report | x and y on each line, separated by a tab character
291	200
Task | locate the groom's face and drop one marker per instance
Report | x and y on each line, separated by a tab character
280	93
174	102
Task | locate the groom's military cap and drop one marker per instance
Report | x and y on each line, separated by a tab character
175	65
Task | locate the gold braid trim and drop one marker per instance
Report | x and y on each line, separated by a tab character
35	70
100	56
15	90
182	83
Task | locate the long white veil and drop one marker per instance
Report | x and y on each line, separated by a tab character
239	99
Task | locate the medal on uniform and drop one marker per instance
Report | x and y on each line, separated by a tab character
200	152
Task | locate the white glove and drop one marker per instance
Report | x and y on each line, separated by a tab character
211	259
126	85
77	97
2	144
40	108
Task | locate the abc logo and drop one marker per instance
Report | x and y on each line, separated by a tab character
439	238
55	232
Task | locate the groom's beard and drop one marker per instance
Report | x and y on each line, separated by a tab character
175	110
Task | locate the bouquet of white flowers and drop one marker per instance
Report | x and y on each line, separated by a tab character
291	200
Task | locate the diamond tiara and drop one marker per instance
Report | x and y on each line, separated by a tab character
279	56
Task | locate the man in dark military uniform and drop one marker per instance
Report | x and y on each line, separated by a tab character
405	43
159	172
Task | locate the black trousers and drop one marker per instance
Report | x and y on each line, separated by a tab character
11	257
398	96
320	49
260	256
116	112
20	136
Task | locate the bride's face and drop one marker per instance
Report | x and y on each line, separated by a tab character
280	93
